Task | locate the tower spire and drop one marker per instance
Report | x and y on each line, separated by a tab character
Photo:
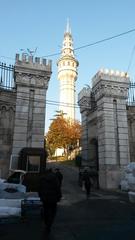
68	28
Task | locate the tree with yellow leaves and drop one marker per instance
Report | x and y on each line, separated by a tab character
64	134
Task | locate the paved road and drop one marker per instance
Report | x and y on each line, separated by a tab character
105	216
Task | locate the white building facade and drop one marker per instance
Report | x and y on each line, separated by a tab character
67	76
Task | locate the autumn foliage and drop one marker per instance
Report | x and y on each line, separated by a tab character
63	134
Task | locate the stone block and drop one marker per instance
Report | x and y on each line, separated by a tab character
39	97
109	148
123	149
111	159
38	116
21	122
123	130
101	148
123	142
20	115
109	135
18	136
38	131
19	129
108	107
101	154
22	90
108	122
37	144
38	124
39	109
22	109
19	144
109	129
122	124
123	136
40	93
121	106
37	103
110	141
37	137
124	158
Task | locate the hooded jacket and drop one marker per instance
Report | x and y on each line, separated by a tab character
49	188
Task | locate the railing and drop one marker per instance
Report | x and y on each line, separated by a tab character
7	80
131	94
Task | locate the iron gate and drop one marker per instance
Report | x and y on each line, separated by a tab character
7	79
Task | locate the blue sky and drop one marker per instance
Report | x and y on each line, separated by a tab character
30	24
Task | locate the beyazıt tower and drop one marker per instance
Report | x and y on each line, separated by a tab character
67	75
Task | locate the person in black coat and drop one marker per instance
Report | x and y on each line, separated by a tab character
59	175
87	182
50	194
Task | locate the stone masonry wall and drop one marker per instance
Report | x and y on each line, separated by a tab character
131	128
7	113
84	103
110	91
32	78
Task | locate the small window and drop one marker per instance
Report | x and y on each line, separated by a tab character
33	164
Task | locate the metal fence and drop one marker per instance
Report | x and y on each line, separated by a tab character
7	80
131	94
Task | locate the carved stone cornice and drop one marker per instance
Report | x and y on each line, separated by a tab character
7	107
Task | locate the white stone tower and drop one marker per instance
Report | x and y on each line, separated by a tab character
67	74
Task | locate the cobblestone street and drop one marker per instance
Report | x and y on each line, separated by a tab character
105	216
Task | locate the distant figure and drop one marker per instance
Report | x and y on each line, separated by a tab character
59	175
49	193
86	182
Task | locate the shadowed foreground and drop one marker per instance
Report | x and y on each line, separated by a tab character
106	215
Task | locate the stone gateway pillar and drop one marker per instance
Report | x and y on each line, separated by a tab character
110	91
32	78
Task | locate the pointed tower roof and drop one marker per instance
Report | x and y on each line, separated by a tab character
68	28
67	51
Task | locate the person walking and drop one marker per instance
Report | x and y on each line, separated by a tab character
59	175
86	182
50	194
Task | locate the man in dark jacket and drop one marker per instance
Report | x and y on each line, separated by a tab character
50	194
59	175
86	182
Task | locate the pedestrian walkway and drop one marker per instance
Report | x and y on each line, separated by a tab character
103	216
106	215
